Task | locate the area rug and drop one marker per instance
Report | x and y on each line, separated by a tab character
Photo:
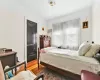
52	75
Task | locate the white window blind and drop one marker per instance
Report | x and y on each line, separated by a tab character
66	34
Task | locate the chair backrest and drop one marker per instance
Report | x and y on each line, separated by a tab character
86	75
1	72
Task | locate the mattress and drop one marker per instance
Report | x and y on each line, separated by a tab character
69	60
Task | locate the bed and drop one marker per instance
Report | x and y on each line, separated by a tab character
68	60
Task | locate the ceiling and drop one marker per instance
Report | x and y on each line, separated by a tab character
62	7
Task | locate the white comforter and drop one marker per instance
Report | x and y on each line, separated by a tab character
69	60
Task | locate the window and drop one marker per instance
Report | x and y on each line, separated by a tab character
67	34
71	38
57	35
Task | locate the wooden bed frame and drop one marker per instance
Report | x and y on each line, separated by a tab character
62	72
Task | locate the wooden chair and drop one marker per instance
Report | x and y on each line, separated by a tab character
34	77
1	72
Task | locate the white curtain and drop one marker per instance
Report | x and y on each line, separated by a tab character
57	35
71	34
67	34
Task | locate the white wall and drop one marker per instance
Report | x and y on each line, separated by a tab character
12	32
83	14
12	25
96	21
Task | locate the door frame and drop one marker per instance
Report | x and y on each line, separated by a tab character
25	38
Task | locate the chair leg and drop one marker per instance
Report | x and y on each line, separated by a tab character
38	65
38	62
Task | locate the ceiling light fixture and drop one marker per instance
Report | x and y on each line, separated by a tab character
52	2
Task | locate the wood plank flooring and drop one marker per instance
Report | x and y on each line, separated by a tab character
33	66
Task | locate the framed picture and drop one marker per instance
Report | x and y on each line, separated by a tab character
85	24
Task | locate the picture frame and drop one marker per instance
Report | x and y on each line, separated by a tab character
85	24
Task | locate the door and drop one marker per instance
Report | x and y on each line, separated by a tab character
31	40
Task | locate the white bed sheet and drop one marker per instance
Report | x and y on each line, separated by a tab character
70	54
69	60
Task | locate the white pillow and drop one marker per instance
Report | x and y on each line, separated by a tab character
94	50
84	48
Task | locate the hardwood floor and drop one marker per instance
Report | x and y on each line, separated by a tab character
31	63
33	66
